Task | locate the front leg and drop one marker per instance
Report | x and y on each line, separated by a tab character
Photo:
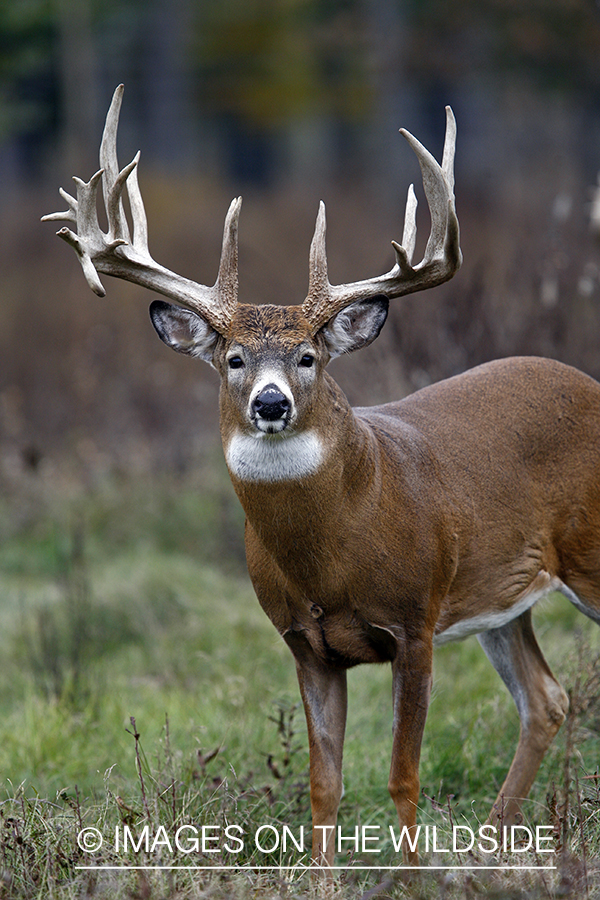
411	688
324	694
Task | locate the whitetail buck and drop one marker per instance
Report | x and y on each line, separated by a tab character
373	534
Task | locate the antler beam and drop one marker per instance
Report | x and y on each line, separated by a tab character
118	254
442	255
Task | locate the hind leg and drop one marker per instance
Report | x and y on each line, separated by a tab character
540	700
582	588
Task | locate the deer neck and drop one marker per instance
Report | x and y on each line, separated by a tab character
293	487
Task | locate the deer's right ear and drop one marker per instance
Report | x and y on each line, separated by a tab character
183	331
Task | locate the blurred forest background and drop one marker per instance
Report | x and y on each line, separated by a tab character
286	102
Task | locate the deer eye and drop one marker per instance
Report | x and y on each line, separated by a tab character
307	360
236	362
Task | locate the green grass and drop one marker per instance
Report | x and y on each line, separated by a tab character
142	685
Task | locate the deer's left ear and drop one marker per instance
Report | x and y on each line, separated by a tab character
183	331
355	326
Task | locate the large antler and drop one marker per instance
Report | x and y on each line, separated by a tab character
116	253
442	255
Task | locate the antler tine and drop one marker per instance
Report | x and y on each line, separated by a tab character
409	235
138	211
227	279
128	178
116	253
442	257
318	254
113	181
449	147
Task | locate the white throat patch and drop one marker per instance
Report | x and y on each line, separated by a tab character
263	457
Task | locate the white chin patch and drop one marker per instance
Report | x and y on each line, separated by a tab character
267	427
270	457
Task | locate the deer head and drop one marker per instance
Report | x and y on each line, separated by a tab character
270	359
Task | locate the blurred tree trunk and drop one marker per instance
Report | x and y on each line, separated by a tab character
78	82
164	71
394	103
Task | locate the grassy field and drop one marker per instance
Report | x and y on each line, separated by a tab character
143	691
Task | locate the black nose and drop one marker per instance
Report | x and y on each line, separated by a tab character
270	404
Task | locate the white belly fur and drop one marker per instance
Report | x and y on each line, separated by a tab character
497	618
